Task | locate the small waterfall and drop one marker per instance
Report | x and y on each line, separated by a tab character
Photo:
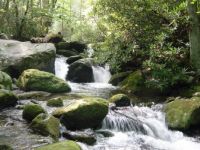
141	128
101	74
61	67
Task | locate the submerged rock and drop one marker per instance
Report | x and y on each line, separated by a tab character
46	125
31	111
182	114
7	99
119	77
83	113
120	100
33	95
64	145
15	56
81	71
33	79
80	137
55	102
5	81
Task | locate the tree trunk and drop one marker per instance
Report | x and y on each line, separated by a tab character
194	35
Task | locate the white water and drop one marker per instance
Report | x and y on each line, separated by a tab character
61	67
101	74
133	128
141	128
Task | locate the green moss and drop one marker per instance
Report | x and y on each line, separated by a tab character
119	77
33	79
31	111
183	113
134	82
55	102
120	100
46	125
84	113
7	99
64	145
5	81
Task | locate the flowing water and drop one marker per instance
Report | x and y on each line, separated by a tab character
126	128
134	127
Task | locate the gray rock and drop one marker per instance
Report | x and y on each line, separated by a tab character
15	56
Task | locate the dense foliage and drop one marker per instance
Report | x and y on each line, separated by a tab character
147	35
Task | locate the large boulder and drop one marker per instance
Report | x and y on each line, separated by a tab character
81	71
83	113
182	114
15	56
120	100
31	111
64	145
46	125
33	79
119	77
7	99
5	81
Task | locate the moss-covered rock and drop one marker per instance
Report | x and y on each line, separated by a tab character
81	71
5	81
119	77
33	79
72	59
182	114
133	82
46	125
55	102
64	145
83	113
80	137
31	111
120	100
7	99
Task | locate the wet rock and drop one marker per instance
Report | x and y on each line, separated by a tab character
83	113
64	145
80	137
182	114
33	79
119	77
55	102
31	111
15	57
105	133
33	95
7	99
120	100
5	81
67	53
46	125
72	59
81	71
